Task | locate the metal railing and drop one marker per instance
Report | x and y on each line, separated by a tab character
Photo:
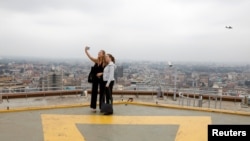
213	99
192	100
185	97
41	89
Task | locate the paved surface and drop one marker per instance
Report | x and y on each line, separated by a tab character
140	122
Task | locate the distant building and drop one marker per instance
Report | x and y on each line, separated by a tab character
204	79
246	75
53	81
247	83
9	85
181	77
191	82
118	72
5	78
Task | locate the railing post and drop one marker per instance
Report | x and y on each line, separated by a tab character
175	75
194	99
7	97
215	106
200	101
220	101
244	102
1	98
209	98
180	98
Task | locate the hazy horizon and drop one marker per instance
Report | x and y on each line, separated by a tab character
150	30
120	61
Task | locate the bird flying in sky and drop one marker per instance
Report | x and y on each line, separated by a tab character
229	27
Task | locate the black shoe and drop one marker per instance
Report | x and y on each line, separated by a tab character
108	113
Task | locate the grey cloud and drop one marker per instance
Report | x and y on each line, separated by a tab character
149	29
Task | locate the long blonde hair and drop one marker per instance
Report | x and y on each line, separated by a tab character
102	59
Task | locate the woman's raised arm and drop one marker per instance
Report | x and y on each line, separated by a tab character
95	60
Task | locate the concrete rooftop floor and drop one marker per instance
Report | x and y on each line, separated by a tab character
70	119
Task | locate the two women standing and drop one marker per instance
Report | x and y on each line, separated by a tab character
104	79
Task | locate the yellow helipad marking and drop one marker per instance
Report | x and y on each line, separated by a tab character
63	127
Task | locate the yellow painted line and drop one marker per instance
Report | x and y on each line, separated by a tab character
63	127
43	107
243	113
48	107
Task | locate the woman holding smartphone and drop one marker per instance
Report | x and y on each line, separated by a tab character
99	64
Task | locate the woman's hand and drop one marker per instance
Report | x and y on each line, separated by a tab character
95	60
99	74
87	48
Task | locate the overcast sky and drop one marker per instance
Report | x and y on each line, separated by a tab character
176	30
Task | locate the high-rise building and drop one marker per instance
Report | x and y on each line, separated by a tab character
53	81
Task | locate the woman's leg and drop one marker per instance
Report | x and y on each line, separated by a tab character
102	90
94	95
108	92
111	87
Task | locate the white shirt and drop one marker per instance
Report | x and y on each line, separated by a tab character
109	72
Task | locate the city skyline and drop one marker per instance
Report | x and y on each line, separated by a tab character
130	30
21	74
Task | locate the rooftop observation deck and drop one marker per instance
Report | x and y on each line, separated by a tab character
64	115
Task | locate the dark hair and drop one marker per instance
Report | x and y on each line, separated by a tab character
111	57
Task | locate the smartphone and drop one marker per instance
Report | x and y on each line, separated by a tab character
87	47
